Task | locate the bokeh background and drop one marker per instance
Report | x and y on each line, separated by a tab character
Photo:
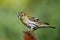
11	27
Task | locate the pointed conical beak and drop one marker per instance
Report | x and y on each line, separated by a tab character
19	15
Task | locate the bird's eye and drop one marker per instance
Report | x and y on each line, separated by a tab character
21	15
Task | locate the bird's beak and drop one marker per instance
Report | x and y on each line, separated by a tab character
19	15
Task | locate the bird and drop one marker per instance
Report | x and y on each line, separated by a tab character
32	22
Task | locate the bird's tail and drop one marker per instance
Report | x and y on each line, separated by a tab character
47	26
44	26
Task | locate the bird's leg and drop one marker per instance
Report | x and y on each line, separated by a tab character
31	29
28	29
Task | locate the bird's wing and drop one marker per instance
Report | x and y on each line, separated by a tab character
36	20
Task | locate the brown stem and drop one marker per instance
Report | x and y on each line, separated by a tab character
28	35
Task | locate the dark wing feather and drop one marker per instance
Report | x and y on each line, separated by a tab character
46	23
37	21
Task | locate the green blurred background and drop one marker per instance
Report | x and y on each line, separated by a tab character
11	27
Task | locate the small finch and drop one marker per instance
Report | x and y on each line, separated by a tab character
32	22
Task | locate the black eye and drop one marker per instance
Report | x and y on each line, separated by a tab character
21	15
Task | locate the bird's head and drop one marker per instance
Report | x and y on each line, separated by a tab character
21	15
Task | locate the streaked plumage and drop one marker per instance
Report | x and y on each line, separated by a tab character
32	22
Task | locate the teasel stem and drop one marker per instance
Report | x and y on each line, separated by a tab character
29	35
